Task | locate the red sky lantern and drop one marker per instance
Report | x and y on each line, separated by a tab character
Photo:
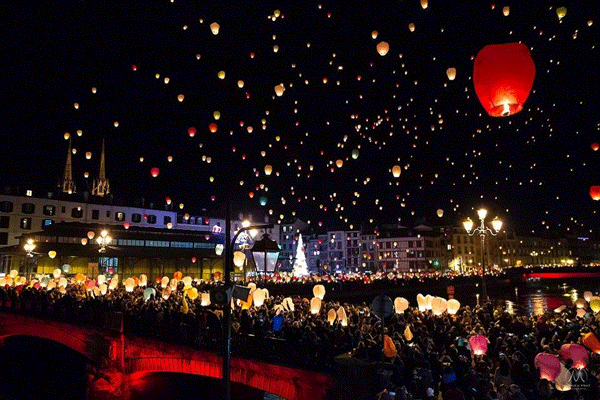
154	172
213	127
134	67
126	225
503	76
595	146
192	131
595	192
478	344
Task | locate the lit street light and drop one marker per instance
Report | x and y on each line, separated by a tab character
483	231
103	240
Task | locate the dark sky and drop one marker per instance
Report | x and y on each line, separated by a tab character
534	169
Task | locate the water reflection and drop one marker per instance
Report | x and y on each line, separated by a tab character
539	300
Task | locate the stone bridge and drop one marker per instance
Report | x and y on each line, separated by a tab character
120	359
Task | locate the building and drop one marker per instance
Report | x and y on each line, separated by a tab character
404	249
288	234
368	252
316	253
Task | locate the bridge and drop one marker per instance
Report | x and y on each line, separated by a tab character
120	360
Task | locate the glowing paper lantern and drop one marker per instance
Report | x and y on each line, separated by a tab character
563	381
453	306
591	342
129	284
595	146
187	281
214	28
451	73
355	154
238	259
79	278
259	297
561	12
13	273
288	304
421	302
339	163
221	75
164	282
503	76
478	344
279	89
396	171
408	335
331	316
91	235
149	292
62	282
428	302
166	293
341	313
580	303
383	48
315	305
400	305
595	192
319	291
178	275
506	11
411	27
268	169
143	280
52	254
587	295
581	313
103	289
549	366
438	305
595	305
374	35
575	352
440	212
389	348
193	294
213	127
56	273
154	172
252	287
424	4
43	282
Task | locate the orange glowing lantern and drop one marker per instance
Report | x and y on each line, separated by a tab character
595	146
595	192
213	127
154	172
503	76
591	342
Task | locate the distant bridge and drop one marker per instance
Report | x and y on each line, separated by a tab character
121	359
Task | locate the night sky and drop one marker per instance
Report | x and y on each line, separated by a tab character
534	169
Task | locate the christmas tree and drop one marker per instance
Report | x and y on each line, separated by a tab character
300	267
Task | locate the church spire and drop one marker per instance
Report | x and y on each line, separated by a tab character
67	184
101	186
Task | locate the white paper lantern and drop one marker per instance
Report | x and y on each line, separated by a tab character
331	316
408	334
62	282
187	281
259	297
563	382
164	282
101	279
288	304
400	304
205	299
422	302
438	305
315	305
428	300
580	312
587	296
129	284
580	303
56	273
319	291
143	280
453	306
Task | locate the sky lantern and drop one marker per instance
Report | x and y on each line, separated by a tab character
217	115
561	12
595	146
575	352
595	192
451	73
315	305
126	225
478	344
213	127
374	34
279	89
424	4
154	172
440	212
88	155
411	27
355	154
168	200
453	306
591	342
180	97
396	170
221	74
549	366
52	254
214	28
319	291
240	83
67	135
400	305
383	48
263	200
339	163
268	169
506	11
503	76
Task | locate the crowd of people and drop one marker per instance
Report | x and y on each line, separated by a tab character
413	354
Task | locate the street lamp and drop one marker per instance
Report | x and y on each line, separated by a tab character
103	240
29	247
483	231
266	252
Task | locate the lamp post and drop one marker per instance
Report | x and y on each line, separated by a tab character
103	241
266	252
483	231
227	309
29	247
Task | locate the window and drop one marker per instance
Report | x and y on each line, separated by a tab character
46	222
109	261
182	245
3	237
166	219
157	243
137	218
95	214
63	209
151	219
108	214
410	244
119	216
49	210
25	223
28	208
4	222
77	212
6	206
